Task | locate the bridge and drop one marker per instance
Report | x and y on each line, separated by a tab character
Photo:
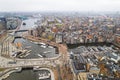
42	62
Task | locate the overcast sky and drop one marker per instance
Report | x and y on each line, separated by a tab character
59	5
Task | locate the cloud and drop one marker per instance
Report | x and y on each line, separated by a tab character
59	5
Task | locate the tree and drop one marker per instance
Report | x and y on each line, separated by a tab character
50	37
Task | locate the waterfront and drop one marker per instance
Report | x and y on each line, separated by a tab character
42	43
37	50
71	46
90	57
28	74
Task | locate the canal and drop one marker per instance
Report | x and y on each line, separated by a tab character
81	54
72	46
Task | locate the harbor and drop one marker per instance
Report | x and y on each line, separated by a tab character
35	49
30	74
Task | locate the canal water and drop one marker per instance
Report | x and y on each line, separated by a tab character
27	74
36	49
72	46
80	48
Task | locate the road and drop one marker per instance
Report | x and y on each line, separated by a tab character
8	47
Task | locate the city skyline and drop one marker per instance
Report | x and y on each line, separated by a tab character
58	5
59	42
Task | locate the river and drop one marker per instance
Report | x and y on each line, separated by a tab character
29	23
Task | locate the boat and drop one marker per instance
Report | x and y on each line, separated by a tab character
50	46
35	42
40	55
42	43
43	46
47	52
28	47
44	76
